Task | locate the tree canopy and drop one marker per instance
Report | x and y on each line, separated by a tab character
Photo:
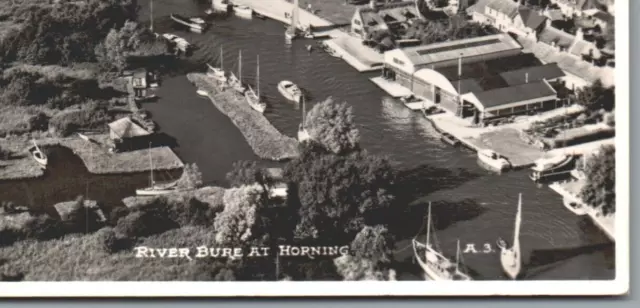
599	190
596	96
331	124
338	193
66	33
235	225
434	31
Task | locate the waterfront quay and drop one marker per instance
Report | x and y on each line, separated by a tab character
346	46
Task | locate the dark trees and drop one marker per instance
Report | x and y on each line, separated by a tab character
600	188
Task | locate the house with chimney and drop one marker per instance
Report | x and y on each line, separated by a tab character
508	16
574	7
389	16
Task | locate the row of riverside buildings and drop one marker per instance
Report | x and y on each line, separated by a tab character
487	78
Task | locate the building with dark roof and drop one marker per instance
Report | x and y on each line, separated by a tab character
484	86
575	7
385	17
507	15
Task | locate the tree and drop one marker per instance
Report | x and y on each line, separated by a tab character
331	124
236	223
434	31
600	172
596	96
246	173
118	45
191	178
374	244
338	194
352	268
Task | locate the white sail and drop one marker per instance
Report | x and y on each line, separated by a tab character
510	257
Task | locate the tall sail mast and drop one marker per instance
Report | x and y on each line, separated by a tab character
151	15
428	224
303	110
151	165
258	77
221	58
458	255
240	67
516	234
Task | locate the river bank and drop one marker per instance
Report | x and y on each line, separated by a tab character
570	191
265	140
94	154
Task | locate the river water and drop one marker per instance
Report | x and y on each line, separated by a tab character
469	204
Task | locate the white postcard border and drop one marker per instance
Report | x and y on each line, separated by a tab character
620	285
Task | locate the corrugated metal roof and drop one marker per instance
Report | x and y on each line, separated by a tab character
420	55
508	95
548	71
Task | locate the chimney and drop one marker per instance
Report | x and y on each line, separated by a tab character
526	77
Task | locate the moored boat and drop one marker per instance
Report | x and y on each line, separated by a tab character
236	82
202	92
253	98
290	90
510	257
547	168
181	43
220	5
83	137
493	160
242	11
449	139
434	264
154	188
38	155
193	26
575	207
217	73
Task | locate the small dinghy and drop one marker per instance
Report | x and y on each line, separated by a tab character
202	92
83	137
38	155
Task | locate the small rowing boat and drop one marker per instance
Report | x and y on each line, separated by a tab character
194	26
38	155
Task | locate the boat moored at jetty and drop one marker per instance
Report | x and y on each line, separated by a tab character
220	5
434	264
242	11
217	73
290	91
202	92
194	25
493	160
510	257
554	167
253	98
154	188
38	155
181	43
236	82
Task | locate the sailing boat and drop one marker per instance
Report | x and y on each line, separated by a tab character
292	31
38	155
303	135
236	82
217	73
253	98
510	258
435	265
154	188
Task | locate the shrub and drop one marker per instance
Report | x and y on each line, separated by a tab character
144	222
43	227
66	123
38	122
8	236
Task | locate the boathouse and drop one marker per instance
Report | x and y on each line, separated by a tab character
127	135
495	80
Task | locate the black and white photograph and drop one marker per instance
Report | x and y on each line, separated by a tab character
313	147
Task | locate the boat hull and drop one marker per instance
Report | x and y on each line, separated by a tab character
153	192
579	211
193	26
295	97
510	264
432	273
244	12
202	93
303	135
254	102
